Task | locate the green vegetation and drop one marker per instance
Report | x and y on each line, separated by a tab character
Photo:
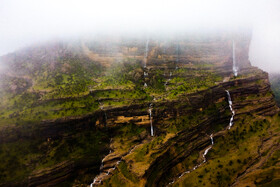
76	87
233	153
45	94
20	159
275	86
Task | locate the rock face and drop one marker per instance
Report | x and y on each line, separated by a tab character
101	133
53	175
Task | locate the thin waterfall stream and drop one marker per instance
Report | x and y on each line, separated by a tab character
231	109
105	114
146	60
234	65
198	165
211	138
177	56
146	53
151	119
97	179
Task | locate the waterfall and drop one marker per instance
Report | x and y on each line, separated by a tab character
145	60
212	141
205	153
146	53
95	180
165	84
198	165
164	52
151	119
131	150
231	109
105	114
112	169
234	66
177	57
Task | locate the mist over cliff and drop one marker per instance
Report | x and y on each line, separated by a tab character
139	93
27	22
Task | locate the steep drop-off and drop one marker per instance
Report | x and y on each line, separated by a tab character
137	112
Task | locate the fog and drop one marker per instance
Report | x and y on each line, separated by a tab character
26	22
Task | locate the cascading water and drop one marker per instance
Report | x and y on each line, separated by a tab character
165	84
197	166
101	106
145	60
212	141
133	149
151	119
146	53
105	114
164	52
95	180
177	56
231	109
205	153
112	169
234	66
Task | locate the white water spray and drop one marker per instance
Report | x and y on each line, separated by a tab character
146	53
165	84
101	106
234	66
151	119
105	114
205	153
177	57
231	109
133	149
212	140
197	166
95	180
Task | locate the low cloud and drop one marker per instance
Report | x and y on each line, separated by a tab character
26	22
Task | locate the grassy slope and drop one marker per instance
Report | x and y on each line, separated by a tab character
234	153
22	158
65	91
275	86
228	158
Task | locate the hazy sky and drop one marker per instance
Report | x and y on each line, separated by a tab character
24	22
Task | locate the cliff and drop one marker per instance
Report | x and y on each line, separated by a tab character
138	112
